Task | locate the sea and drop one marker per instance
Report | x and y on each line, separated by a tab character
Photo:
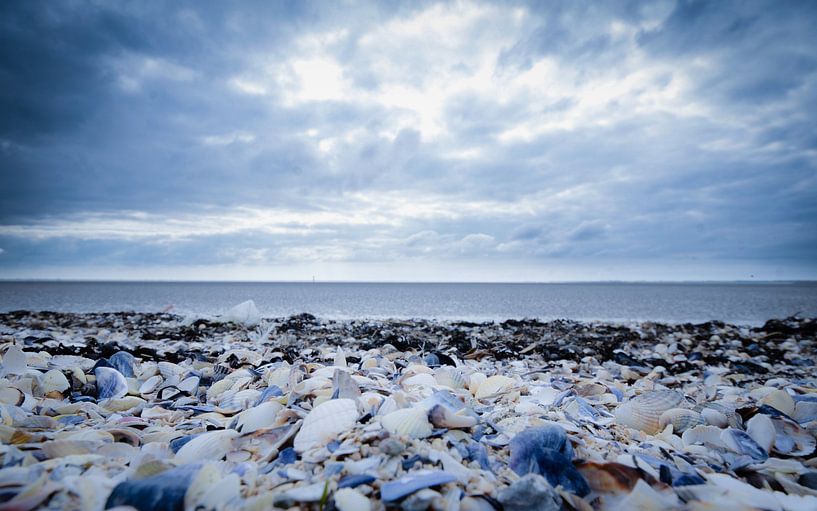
738	303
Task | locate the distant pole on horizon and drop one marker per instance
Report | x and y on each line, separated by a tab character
313	279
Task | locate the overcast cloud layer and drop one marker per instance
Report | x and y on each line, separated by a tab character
408	141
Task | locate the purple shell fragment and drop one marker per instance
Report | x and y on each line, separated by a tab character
412	482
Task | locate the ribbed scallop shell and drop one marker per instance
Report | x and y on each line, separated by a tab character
258	417
643	411
494	385
325	422
411	422
681	419
475	380
442	417
450	377
150	385
780	400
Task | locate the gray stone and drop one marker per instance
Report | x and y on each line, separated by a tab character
530	493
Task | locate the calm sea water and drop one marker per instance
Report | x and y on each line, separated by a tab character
737	303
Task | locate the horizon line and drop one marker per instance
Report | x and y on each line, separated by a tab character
248	281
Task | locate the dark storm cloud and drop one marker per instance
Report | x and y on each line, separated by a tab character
139	134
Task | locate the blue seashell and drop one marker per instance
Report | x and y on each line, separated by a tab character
71	420
412	482
162	492
269	393
742	443
332	469
123	362
619	395
332	446
545	450
355	480
410	461
110	383
477	452
178	443
196	408
287	456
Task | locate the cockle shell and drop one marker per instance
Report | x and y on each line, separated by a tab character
54	381
325	422
681	419
450	377
714	417
110	383
644	411
475	380
210	446
494	385
411	422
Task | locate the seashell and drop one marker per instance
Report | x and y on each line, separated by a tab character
530	492
59	448
545	450
210	446
11	396
236	401
779	400
309	493
110	383
169	370
704	435
410	422
791	439
474	381
150	385
210	490
340	358
643	411
714	418
450	377
442	417
610	477
805	411
741	443
343	386
733	420
14	361
408	484
681	419
123	362
761	429
258	417
164	491
644	497
419	380
347	499
54	381
189	384
494	385
324	423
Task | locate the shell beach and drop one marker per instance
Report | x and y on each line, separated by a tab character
156	411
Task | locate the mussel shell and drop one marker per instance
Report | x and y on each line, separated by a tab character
161	492
110	383
545	450
123	362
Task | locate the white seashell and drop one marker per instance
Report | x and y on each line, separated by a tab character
237	401
210	490
705	435
761	429
644	411
450	377
122	404
494	385
150	385
419	380
475	380
54	381
348	499
780	400
258	417
714	418
681	419
340	358
189	384
791	439
442	417
210	446
411	422
325	422
14	361
170	370
59	448
11	396
805	411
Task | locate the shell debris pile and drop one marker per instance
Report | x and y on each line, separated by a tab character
155	411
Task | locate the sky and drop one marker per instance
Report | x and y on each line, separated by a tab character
408	141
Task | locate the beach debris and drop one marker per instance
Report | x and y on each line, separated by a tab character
155	411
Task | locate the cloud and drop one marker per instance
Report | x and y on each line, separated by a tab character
258	133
